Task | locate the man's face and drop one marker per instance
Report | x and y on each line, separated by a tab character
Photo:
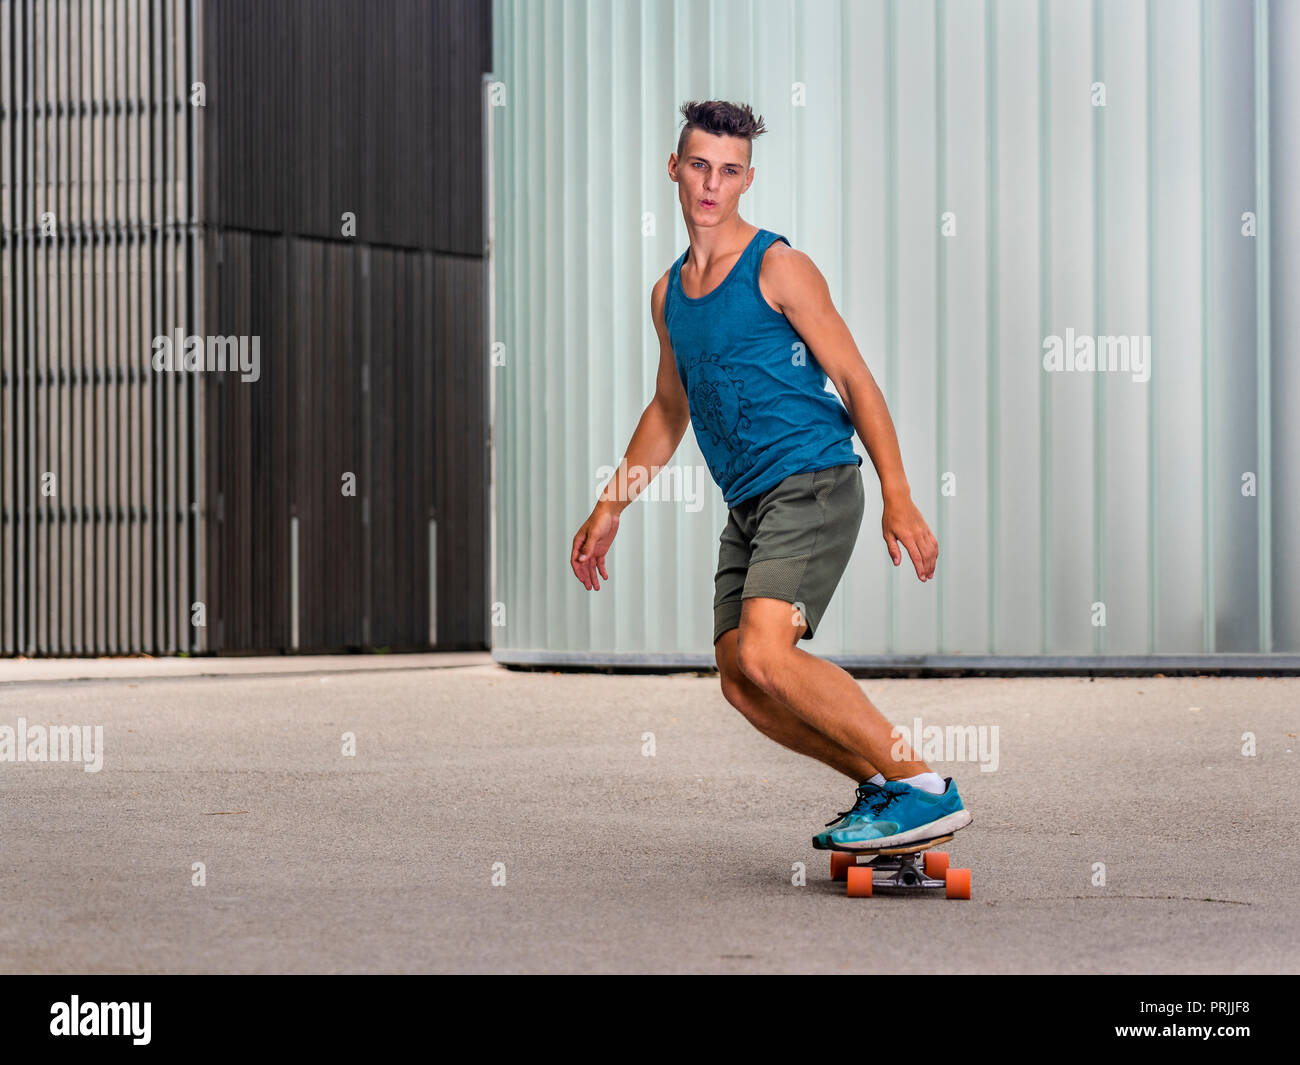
711	173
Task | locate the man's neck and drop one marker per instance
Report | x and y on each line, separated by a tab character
711	243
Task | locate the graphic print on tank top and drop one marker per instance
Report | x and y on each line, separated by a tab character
719	407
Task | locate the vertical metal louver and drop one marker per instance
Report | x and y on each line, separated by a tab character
98	486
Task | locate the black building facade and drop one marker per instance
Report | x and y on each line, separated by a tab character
243	391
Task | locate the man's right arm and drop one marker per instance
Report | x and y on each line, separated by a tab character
662	424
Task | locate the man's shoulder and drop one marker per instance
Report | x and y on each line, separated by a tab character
659	297
661	284
660	288
780	251
785	272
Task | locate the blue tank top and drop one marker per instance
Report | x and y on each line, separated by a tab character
760	414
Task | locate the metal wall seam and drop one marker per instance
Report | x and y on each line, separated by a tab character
941	520
139	287
82	590
992	333
34	270
891	265
1098	74
1153	423
120	319
1044	325
25	473
96	345
7	345
1263	322
47	267
1208	494
162	384
199	641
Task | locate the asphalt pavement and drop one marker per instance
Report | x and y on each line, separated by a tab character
441	813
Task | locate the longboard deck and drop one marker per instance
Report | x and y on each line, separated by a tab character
909	848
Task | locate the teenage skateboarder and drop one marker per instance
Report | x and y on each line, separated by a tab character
748	336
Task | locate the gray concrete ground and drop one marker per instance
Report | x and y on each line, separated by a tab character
616	861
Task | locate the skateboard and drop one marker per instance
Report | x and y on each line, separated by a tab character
932	873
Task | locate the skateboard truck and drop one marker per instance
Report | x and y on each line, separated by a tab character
907	874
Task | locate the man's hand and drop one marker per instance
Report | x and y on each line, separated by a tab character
590	544
902	524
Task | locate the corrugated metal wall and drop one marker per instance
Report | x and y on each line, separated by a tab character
968	191
349	105
373	342
369	369
130	213
98	486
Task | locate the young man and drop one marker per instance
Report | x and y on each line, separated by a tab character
748	336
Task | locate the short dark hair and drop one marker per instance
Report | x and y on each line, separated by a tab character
720	117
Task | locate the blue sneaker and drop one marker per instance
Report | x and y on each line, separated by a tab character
865	793
899	814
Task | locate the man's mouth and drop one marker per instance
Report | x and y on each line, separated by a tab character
709	203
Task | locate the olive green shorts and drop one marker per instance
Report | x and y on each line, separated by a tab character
792	543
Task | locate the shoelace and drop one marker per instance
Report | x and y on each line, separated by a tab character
883	799
865	796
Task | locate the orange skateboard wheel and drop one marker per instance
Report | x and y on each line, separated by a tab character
859	878
841	863
935	864
957	884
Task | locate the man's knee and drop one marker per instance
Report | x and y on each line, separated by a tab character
737	688
764	637
754	657
746	697
733	680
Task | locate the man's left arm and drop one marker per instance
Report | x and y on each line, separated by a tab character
795	284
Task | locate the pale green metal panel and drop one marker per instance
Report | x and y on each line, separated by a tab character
1278	321
954	171
1013	400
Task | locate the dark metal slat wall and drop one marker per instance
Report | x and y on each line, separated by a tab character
97	496
226	221
372	345
325	106
291	440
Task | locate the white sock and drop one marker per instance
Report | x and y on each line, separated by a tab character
878	780
931	782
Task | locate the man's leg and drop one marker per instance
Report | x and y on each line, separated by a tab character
778	721
820	692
